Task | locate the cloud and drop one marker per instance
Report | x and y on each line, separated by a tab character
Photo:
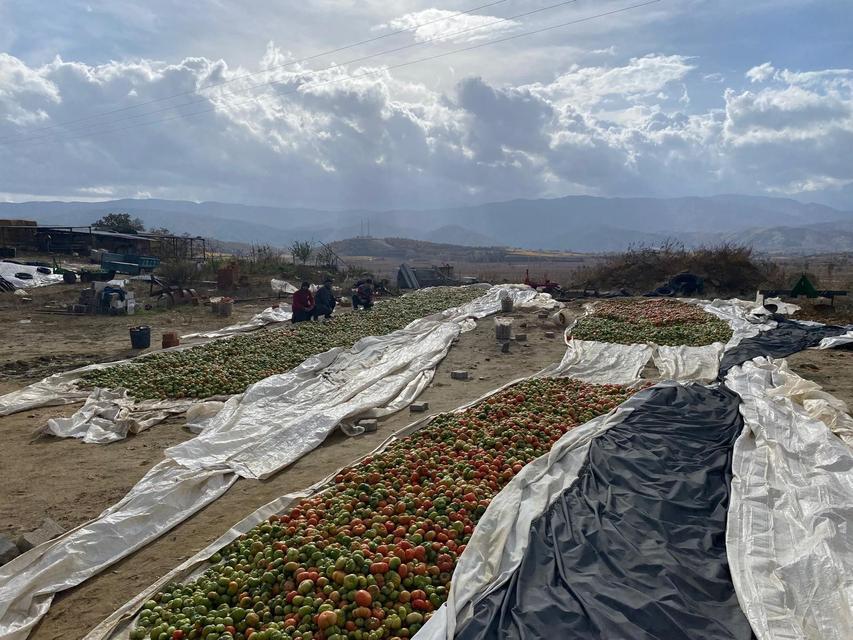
449	26
367	137
761	73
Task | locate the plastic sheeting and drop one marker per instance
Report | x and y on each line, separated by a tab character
279	419
700	364
789	539
605	362
108	416
9	269
270	315
167	495
170	493
837	341
786	338
635	547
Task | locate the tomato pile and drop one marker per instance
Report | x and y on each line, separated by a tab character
226	367
664	322
372	556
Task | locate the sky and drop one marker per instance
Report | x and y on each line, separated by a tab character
264	102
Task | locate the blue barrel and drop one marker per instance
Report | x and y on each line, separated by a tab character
140	337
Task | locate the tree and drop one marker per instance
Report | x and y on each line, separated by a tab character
327	258
300	251
159	231
120	223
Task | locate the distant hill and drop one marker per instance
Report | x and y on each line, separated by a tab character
573	223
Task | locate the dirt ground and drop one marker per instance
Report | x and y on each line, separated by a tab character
34	344
81	480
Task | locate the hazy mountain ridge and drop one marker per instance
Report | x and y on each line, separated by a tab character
572	223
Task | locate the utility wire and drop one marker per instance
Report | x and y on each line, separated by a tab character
269	69
383	69
205	99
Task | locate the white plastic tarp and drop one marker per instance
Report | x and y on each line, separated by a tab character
270	315
837	341
788	538
605	362
282	286
167	495
170	493
700	364
38	279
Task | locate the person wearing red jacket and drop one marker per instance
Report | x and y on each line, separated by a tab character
303	304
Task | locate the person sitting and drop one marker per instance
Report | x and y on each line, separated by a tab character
303	304
325	300
363	296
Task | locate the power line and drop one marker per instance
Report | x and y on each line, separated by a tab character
268	70
382	70
371	56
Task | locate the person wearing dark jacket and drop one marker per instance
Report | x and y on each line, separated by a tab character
325	299
303	304
363	296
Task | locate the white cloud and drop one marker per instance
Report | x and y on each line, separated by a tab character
761	73
367	137
449	26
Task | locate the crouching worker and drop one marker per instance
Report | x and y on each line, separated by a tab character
363	296
325	301
303	304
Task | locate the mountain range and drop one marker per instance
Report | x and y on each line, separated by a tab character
572	223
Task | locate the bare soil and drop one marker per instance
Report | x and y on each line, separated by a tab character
73	482
34	344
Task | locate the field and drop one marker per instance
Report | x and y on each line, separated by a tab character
71	482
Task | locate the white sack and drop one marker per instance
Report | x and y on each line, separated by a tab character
788	537
167	495
9	269
282	286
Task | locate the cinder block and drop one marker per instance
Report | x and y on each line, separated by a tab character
521	337
370	425
550	334
459	375
48	530
419	407
8	550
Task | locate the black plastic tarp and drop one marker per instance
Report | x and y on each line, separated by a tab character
635	548
787	338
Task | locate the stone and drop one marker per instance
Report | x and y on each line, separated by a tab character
523	325
550	334
8	550
370	425
521	337
48	530
419	407
505	347
459	375
542	315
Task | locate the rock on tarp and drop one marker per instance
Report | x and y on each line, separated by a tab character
635	548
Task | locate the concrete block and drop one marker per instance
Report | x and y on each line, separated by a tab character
8	550
550	334
521	337
419	407
370	425
48	530
459	375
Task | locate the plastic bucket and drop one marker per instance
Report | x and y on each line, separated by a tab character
140	337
